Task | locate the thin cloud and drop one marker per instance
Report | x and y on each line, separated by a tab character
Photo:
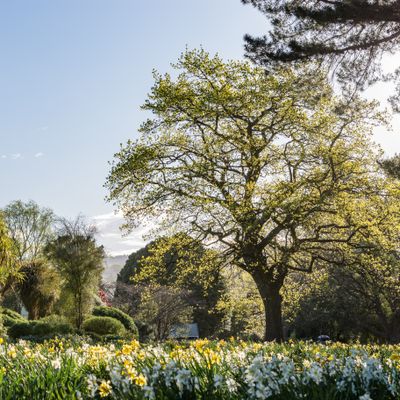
16	156
111	237
38	155
4	156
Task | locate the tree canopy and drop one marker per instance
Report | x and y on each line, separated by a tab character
272	169
350	36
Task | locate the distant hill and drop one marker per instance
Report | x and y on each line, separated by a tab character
112	266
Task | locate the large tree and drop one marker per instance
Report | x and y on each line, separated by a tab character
272	169
79	262
351	36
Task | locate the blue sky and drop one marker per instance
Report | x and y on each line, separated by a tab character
73	74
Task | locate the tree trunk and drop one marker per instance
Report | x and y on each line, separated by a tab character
78	308
273	313
272	301
393	335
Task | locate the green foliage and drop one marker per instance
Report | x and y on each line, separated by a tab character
104	326
174	270
11	317
125	319
9	264
241	306
53	325
132	265
22	329
31	227
39	289
392	166
359	300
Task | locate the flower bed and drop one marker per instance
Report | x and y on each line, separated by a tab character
62	369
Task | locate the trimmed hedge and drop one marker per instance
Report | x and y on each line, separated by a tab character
103	326
122	317
22	329
11	317
42	328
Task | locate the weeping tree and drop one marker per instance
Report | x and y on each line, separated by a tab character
350	36
271	169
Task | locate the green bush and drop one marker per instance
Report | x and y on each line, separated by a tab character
11	317
22	329
12	313
53	325
104	326
122	317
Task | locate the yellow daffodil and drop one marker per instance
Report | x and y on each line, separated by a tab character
105	388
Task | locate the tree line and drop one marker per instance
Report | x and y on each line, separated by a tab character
51	265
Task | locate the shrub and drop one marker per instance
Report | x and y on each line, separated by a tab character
11	317
22	329
122	317
52	325
104	326
43	328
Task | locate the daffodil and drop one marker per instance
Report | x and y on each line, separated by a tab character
105	388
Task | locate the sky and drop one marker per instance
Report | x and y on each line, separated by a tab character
73	74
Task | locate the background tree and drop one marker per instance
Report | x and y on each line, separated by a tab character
391	166
350	36
241	306
360	300
30	227
273	170
79	262
177	266
159	308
